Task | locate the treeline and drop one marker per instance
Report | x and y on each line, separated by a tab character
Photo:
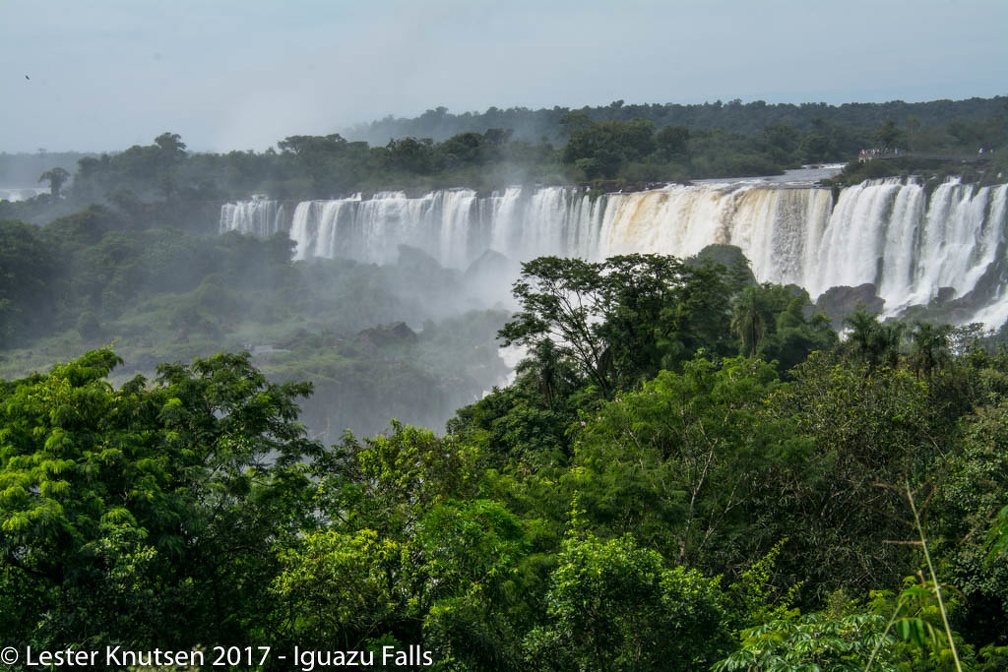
652	493
733	117
614	147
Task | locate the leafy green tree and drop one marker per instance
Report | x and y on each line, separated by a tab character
389	482
471	553
812	642
28	291
411	155
749	321
341	589
601	149
890	135
782	141
672	141
871	342
56	177
615	606
929	348
968	513
561	300
913	126
843	503
516	431
144	514
770	320
622	320
679	464
549	372
170	154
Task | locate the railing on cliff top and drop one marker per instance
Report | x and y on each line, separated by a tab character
897	153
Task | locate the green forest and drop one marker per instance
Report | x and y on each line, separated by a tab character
655	491
612	147
691	470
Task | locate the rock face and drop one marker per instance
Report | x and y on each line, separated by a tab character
839	302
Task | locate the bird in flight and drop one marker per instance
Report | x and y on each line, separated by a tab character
27	77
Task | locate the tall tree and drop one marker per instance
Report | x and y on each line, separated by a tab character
56	177
142	515
615	606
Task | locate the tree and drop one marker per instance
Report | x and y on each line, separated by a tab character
748	321
929	348
170	154
142	515
672	141
388	483
814	641
622	320
913	126
28	286
601	149
680	463
843	504
615	606
345	588
171	146
871	342
411	155
889	135
770	320
56	178
561	301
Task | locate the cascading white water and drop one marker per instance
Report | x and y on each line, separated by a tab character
886	232
453	226
258	217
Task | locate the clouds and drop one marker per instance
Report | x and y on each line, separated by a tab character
240	75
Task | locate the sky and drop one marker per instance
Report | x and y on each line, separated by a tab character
104	75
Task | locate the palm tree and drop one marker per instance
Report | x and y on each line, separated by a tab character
929	347
550	371
56	177
747	320
872	342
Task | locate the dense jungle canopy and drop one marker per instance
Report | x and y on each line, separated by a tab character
688	470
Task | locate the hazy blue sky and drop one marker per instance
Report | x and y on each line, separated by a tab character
242	74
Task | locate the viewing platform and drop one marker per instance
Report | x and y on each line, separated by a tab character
896	153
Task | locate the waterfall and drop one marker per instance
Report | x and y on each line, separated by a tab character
892	233
454	226
257	217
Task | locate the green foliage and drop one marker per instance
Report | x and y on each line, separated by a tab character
620	321
971	503
811	642
341	588
872	433
680	463
27	295
126	512
56	177
615	606
770	320
871	342
389	482
752	595
600	150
